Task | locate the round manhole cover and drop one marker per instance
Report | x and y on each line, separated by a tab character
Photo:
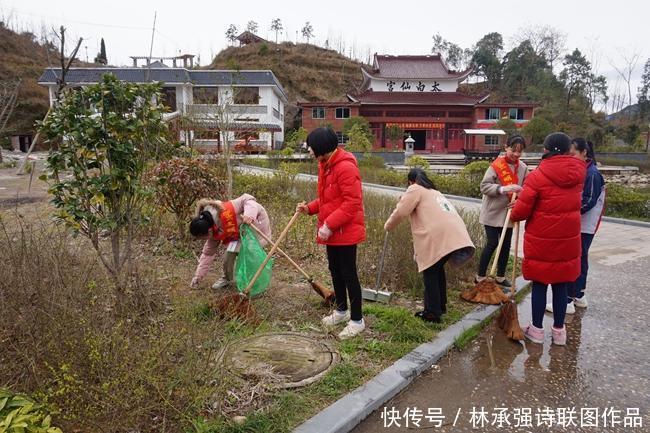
293	359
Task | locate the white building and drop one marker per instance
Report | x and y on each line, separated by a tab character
250	104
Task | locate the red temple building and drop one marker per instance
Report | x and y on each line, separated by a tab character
421	96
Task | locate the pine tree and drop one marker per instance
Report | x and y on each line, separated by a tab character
101	56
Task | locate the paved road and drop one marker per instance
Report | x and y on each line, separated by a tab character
606	363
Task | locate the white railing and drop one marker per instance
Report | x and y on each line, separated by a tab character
210	109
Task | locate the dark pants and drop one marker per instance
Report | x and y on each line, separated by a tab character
342	262
435	288
493	234
578	288
559	302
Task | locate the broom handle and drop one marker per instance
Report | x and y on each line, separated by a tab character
514	265
493	271
267	239
381	262
273	250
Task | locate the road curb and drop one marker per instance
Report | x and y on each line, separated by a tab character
346	413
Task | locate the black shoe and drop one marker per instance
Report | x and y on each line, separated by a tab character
505	283
428	317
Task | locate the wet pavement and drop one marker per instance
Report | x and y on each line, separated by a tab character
604	370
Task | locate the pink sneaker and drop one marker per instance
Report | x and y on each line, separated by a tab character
534	334
559	335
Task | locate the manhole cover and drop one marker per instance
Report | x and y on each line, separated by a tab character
293	359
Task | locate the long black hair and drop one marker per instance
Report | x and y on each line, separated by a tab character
419	176
581	145
201	225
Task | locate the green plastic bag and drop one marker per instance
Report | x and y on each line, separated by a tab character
250	258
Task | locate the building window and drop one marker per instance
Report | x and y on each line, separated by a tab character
516	113
491	140
318	113
342	113
492	113
341	137
247	95
205	95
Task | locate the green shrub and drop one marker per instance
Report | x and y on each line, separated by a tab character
625	202
417	161
369	160
178	183
19	413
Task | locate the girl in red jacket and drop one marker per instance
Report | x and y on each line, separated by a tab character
550	204
340	225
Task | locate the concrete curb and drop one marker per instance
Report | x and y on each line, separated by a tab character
347	412
303	176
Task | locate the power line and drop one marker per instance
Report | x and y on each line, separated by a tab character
78	21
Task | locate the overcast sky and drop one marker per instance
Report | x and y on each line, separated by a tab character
601	29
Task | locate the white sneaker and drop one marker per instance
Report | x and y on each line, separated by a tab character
336	317
570	308
581	302
221	283
352	329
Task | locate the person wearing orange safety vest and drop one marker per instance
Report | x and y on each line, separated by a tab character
218	223
504	177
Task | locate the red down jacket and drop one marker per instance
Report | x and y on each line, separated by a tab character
339	203
550	203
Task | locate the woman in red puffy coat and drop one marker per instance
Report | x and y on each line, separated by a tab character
340	224
550	203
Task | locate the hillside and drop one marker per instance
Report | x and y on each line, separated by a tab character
307	72
24	57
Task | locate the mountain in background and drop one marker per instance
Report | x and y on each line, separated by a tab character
25	58
307	72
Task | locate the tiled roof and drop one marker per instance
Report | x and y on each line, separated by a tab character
166	75
132	75
413	67
415	98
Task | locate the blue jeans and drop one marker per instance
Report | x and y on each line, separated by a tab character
578	288
559	303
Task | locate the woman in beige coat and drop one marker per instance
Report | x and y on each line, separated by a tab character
439	235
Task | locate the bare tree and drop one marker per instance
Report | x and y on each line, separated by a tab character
65	62
629	64
276	26
308	31
252	26
231	34
8	99
547	41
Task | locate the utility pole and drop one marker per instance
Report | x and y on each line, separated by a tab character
153	32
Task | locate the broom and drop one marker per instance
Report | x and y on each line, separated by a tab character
508	319
488	291
238	305
319	288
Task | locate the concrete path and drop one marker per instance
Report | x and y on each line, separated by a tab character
605	365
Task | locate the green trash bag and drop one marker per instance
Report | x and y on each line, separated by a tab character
250	258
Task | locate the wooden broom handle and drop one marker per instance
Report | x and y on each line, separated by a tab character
502	237
286	256
514	264
273	250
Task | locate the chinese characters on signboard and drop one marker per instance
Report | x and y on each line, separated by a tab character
418	125
420	86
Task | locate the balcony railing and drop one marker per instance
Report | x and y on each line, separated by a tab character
211	110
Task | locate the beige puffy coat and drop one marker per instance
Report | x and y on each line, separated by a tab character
437	228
